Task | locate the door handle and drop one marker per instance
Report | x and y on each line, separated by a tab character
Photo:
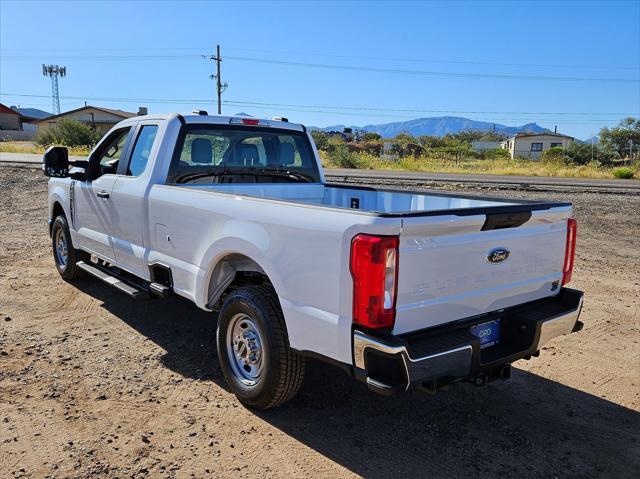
102	194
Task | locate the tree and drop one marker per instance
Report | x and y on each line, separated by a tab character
371	136
321	139
70	133
622	138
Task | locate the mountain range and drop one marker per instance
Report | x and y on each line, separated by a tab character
33	112
438	126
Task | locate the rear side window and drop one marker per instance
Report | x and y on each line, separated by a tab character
221	154
142	150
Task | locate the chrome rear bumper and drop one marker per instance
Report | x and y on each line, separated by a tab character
444	355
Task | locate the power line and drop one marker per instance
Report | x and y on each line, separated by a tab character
454	62
432	73
316	108
494	76
329	55
427	111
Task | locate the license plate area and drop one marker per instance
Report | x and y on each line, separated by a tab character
488	333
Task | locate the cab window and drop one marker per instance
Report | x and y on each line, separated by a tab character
142	150
234	154
106	159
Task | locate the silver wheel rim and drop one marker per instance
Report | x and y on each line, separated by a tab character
60	249
245	349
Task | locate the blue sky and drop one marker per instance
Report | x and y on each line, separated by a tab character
446	58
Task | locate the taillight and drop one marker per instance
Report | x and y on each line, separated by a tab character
374	267
570	251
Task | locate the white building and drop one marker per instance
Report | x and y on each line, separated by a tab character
531	145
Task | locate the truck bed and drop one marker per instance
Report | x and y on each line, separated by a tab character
444	274
382	202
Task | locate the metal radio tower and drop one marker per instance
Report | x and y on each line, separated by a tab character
54	71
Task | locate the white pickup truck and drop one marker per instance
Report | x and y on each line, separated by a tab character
401	289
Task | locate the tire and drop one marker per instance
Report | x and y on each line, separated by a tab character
273	372
61	244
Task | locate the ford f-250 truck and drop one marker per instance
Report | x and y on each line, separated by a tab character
401	289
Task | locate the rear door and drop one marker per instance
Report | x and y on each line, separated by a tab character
128	200
93	213
449	269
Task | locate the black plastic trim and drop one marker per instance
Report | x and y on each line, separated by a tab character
347	368
152	273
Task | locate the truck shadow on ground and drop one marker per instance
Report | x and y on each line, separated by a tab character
526	427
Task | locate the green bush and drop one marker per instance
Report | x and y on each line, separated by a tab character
555	155
340	155
497	154
623	173
582	154
371	136
321	139
70	133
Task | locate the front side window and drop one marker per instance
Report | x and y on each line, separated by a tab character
556	145
142	150
536	146
221	154
107	157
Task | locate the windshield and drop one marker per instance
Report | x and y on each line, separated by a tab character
223	154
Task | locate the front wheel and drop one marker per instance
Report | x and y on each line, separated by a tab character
253	348
64	254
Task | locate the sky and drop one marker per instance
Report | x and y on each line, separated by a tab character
574	65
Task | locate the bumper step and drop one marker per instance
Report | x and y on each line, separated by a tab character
432	358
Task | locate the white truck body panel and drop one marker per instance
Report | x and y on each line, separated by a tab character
300	236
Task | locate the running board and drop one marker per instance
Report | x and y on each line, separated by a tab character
114	281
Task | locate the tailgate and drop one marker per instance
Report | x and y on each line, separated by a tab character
445	273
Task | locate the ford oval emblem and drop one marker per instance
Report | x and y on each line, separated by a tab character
497	255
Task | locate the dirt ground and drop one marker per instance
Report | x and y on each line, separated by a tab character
94	384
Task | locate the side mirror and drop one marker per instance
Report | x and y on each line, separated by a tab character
55	162
77	173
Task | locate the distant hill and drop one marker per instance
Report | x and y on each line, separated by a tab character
438	126
33	112
594	139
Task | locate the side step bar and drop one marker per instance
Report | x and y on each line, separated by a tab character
128	289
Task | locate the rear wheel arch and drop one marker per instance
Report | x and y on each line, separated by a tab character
231	271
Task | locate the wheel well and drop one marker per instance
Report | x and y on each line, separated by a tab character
231	272
57	210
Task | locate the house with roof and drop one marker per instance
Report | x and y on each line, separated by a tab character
11	119
532	145
99	118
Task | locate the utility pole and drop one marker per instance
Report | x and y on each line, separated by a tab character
54	71
218	82
220	87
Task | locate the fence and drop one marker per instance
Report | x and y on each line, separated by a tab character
16	135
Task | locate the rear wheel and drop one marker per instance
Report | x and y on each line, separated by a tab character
253	348
64	254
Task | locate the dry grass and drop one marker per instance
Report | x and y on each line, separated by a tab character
515	167
31	147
